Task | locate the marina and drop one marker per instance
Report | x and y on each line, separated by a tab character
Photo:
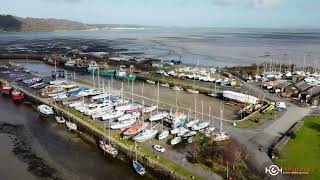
123	123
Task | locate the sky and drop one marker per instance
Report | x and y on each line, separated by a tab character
184	13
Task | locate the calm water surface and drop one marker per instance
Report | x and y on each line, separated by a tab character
60	149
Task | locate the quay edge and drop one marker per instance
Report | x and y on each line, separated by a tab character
126	153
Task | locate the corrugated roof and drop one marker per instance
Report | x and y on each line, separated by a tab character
302	85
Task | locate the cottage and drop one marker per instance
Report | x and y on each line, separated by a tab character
307	94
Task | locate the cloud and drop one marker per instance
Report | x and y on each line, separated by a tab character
248	3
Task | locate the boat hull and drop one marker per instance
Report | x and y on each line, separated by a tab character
126	78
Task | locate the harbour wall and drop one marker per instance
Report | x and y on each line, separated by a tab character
126	153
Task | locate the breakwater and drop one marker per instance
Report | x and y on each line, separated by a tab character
87	128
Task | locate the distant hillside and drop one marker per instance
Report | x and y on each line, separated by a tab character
12	23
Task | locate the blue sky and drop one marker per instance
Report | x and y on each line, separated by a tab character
187	13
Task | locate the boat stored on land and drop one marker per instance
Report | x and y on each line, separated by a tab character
123	124
134	130
146	135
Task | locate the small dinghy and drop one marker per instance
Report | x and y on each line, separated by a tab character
45	110
71	125
60	119
138	168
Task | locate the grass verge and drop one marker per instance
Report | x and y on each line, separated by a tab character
303	151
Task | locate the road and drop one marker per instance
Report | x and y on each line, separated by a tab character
265	136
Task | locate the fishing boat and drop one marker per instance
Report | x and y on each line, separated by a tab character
150	81
70	64
159	116
6	89
163	135
112	115
149	109
45	110
71	126
193	91
60	119
108	148
53	62
17	95
94	68
146	135
123	124
159	148
176	140
122	75
177	88
191	123
129	116
136	129
138	168
200	125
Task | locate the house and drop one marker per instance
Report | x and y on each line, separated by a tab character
302	85
307	94
282	85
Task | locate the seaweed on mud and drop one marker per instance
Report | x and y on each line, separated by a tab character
36	165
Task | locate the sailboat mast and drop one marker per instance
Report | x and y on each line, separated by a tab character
221	116
210	115
195	108
55	69
202	109
93	78
158	98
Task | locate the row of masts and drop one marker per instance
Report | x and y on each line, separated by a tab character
276	66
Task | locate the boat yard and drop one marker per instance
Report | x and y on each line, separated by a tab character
73	113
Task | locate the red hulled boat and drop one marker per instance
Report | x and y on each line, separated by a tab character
17	95
53	62
5	89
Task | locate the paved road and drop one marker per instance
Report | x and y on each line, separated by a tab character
269	133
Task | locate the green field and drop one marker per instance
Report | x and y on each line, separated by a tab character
304	150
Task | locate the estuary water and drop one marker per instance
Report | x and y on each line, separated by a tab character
206	46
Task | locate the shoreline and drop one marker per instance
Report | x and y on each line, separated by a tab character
126	151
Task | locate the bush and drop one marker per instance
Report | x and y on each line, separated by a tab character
292	135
